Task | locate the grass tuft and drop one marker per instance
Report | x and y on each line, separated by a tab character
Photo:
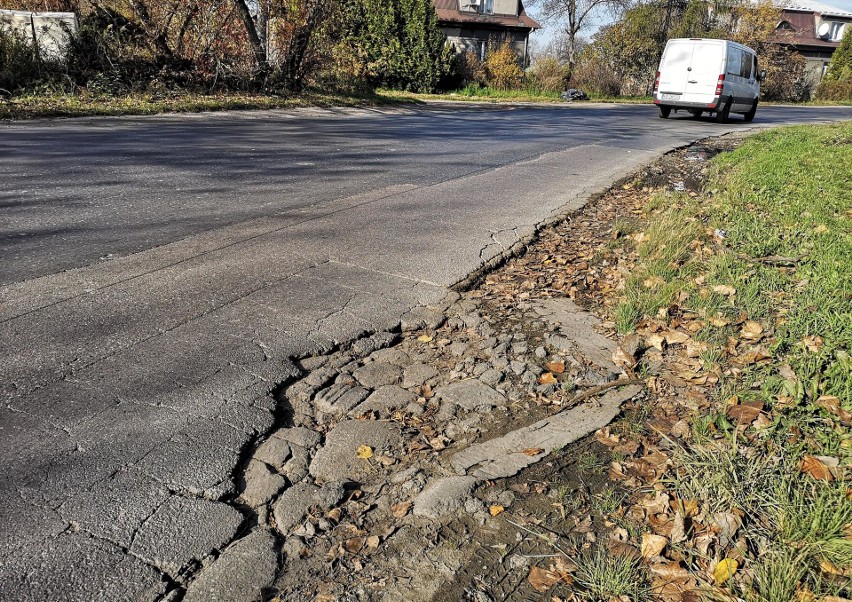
604	576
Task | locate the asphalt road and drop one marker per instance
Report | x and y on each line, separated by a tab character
158	275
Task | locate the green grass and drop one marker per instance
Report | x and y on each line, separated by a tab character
38	105
784	193
477	93
603	576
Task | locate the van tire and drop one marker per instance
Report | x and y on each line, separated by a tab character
724	112
696	113
749	117
665	112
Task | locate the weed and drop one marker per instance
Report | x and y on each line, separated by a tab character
590	462
603	576
777	575
608	501
725	477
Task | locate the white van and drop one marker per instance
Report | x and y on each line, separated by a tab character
716	76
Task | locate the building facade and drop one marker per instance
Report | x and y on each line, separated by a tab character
476	25
814	30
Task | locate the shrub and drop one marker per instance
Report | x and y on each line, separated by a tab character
548	75
834	90
593	74
502	67
468	69
17	62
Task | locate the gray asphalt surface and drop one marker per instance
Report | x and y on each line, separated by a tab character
158	275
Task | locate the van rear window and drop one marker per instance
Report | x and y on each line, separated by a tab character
677	55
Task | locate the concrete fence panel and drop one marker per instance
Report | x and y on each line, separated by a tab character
50	32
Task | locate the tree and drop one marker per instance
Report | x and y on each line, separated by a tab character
837	83
632	46
840	68
279	35
574	17
399	42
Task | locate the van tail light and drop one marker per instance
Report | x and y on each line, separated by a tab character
657	82
720	85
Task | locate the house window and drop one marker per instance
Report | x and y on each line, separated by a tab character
836	33
486	7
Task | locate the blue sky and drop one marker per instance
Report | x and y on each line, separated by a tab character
543	36
844	4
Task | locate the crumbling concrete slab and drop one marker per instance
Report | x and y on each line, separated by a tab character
471	395
338	460
444	496
577	332
504	456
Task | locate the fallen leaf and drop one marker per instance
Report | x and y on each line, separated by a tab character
547	379
755	356
670	572
831	404
556	367
676	337
678	533
533	451
656	341
719	321
724	289
652	545
658	505
365	452
817	469
746	412
495	510
813	343
424	338
832	569
401	509
542	579
725	570
752	331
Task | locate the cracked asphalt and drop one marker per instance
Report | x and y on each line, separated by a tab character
158	275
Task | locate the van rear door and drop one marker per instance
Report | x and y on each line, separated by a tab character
674	67
704	69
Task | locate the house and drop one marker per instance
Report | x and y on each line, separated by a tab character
814	30
470	25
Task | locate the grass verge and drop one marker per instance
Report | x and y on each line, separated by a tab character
475	93
748	287
54	105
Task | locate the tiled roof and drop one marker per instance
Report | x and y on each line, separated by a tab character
449	12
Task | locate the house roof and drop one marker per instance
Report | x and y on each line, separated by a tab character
811	6
449	12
